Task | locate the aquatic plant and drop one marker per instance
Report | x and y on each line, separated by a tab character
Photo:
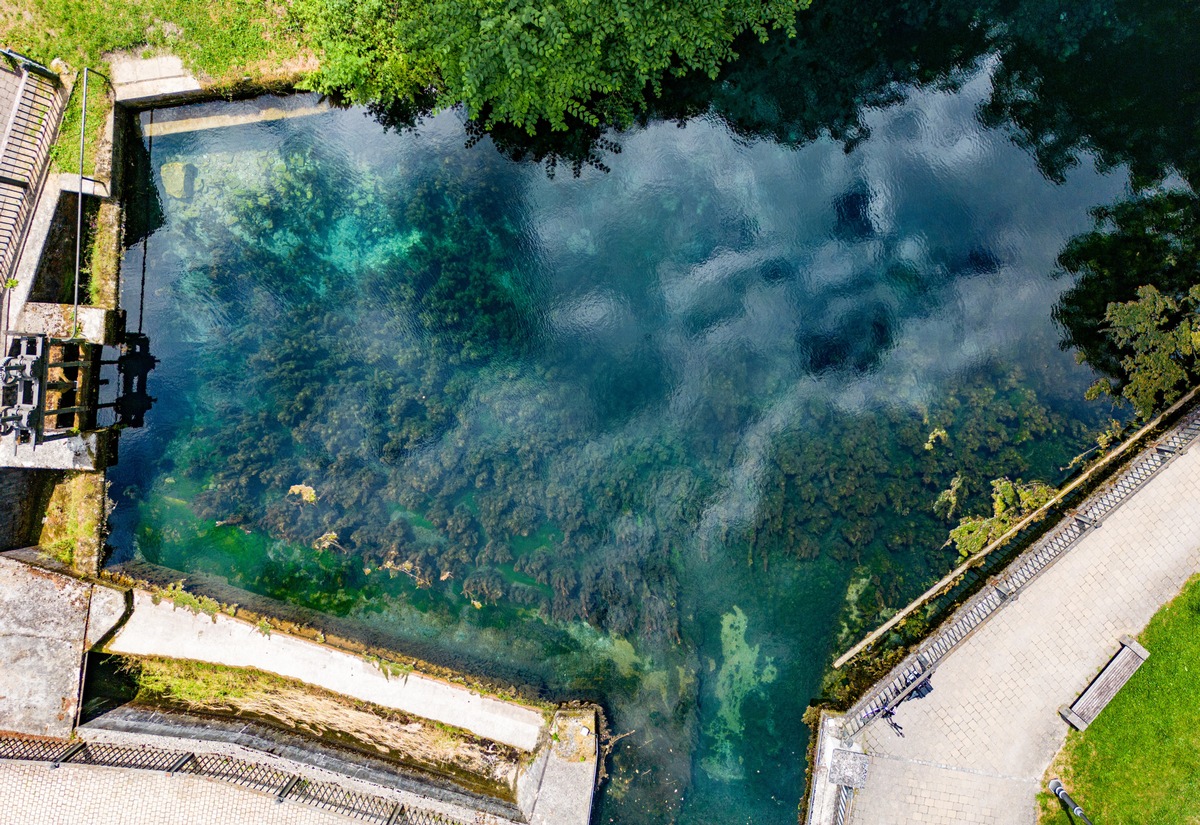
386	329
1011	502
376	425
740	676
178	596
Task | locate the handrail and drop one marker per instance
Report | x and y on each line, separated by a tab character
29	64
29	131
79	200
262	775
892	689
971	561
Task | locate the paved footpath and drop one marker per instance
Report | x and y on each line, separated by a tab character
975	750
33	794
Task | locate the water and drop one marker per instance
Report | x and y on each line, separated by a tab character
666	434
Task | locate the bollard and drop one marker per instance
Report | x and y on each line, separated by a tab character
1058	790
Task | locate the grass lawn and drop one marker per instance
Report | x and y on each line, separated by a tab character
1139	762
223	42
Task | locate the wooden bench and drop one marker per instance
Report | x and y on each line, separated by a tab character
1105	686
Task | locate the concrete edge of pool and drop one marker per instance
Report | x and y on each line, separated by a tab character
52	618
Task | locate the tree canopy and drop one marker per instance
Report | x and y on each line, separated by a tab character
1132	313
1162	336
528	63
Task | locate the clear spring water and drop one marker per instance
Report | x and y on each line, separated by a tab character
665	435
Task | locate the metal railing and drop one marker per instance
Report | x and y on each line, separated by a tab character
29	131
329	796
841	814
971	566
916	668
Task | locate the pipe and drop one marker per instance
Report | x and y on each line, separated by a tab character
79	202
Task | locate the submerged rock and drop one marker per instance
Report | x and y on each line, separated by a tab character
179	180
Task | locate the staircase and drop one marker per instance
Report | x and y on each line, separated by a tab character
32	100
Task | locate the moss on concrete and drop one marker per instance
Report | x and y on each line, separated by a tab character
73	528
475	764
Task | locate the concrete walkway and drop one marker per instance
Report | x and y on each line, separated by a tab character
164	630
975	750
33	794
47	620
144	82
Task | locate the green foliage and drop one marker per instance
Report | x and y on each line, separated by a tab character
948	500
389	668
1150	240
62	551
858	490
225	42
1011	502
200	683
220	40
527	63
1164	337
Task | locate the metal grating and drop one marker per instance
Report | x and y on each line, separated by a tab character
328	796
31	750
247	774
115	756
332	797
417	816
841	814
894	688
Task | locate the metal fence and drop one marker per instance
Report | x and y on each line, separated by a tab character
30	126
329	796
917	667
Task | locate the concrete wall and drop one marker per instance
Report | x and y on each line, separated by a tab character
19	492
164	630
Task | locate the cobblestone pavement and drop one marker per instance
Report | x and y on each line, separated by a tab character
975	750
31	793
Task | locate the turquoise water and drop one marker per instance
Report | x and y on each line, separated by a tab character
666	434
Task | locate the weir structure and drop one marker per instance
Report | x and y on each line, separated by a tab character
52	355
55	621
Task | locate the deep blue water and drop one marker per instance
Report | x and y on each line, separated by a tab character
660	434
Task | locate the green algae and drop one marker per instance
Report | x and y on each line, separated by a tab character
740	676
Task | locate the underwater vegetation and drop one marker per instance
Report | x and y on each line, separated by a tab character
396	403
667	433
370	456
740	674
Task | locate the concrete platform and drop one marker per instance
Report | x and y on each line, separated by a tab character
225	114
144	82
95	324
86	452
163	630
47	620
557	789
